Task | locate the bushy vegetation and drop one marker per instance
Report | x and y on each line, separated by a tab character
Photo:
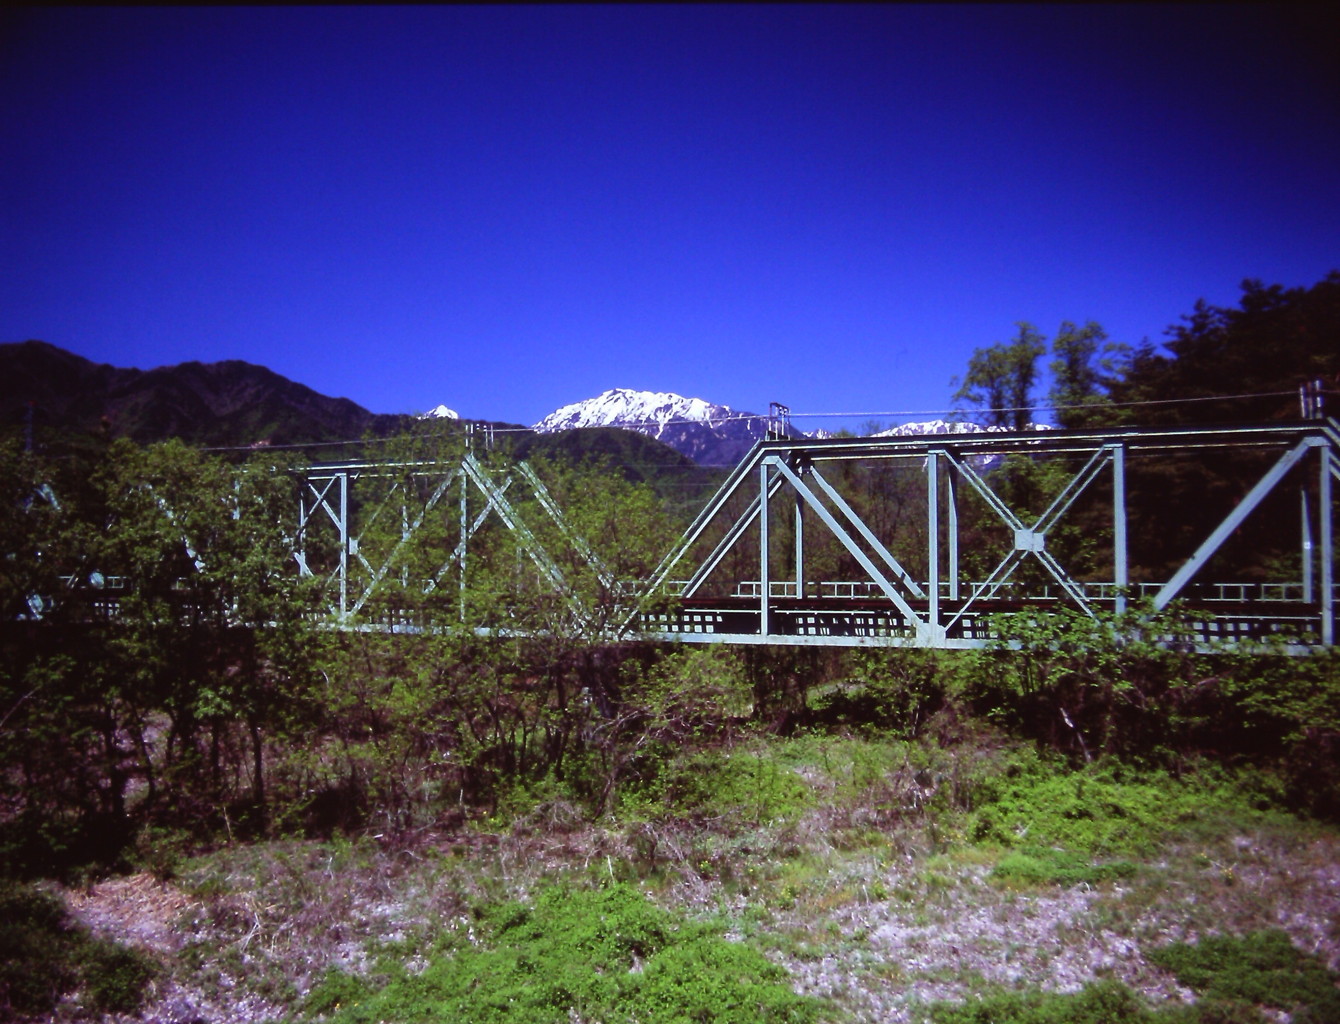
604	954
1235	976
1103	1002
44	957
1261	969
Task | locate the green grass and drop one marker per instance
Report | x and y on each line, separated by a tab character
1102	1002
605	954
1103	809
1233	976
1050	866
1261	968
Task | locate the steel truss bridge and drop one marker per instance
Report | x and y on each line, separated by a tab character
918	541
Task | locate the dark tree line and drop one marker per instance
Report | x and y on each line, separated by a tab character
1221	366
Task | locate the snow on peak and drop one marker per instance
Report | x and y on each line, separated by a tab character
441	412
623	407
948	427
931	427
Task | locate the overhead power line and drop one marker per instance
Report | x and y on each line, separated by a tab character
755	417
1053	408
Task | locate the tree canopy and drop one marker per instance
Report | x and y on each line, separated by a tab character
1273	341
1221	365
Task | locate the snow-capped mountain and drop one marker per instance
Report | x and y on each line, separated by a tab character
948	427
710	434
623	407
440	412
931	427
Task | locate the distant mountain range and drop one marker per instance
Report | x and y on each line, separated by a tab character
709	434
235	403
225	403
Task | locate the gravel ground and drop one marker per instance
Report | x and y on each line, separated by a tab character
881	936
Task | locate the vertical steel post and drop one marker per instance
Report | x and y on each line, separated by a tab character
301	539
1120	560
465	535
800	547
344	544
1327	550
764	582
933	536
953	533
1305	504
404	538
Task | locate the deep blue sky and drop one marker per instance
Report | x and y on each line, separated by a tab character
507	209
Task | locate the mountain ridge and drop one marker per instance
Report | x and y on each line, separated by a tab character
708	433
235	403
230	402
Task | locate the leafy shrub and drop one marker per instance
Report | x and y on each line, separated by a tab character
36	968
161	851
889	691
1049	866
1102	1002
1262	968
334	990
604	955
63	846
707	978
1102	809
739	787
115	977
43	956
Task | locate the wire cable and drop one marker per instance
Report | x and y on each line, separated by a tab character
756	417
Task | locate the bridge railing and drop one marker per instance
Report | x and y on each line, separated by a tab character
1257	592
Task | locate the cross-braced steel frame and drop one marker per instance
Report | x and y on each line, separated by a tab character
414	491
789	484
744	571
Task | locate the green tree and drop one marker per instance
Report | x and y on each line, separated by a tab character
1274	340
1084	366
1000	379
170	654
1226	365
512	688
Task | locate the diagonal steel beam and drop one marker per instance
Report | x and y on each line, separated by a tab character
866	533
1032	540
709	512
865	561
1233	520
578	543
473	528
729	540
1072	490
529	543
985	492
380	574
321	501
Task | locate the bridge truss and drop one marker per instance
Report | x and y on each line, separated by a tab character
913	589
917	541
394	542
